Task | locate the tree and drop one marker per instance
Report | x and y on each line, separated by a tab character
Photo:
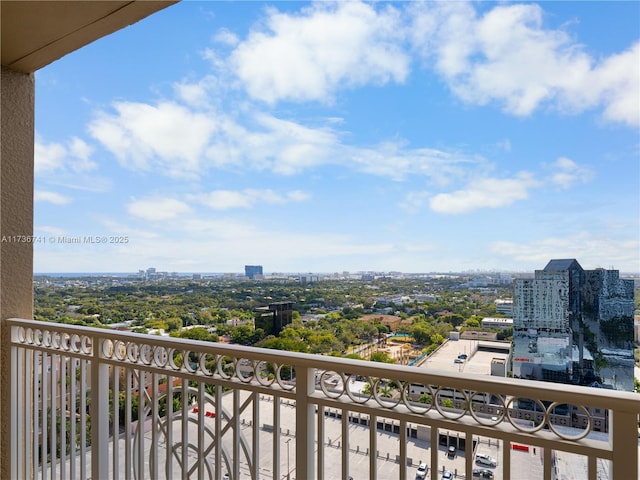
381	357
385	391
473	322
246	335
196	333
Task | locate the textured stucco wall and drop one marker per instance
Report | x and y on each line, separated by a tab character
16	218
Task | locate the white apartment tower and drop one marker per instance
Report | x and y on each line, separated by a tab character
567	321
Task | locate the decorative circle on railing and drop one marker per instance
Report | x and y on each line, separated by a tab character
226	367
452	395
146	354
65	341
132	352
417	406
55	340
46	338
494	418
203	360
328	378
263	374
244	370
554	428
175	359
187	362
288	371
21	334
75	342
119	350
86	345
380	392
531	416
108	348
37	337
360	396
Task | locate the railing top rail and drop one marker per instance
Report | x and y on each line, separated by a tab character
572	394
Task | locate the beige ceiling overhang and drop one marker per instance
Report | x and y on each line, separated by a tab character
36	33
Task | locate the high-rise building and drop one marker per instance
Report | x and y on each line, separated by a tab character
253	272
574	326
274	318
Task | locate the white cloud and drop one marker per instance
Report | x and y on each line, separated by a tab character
228	199
567	173
48	157
178	142
327	46
616	84
287	147
142	136
506	56
414	201
484	193
74	156
51	197
226	37
81	153
393	160
157	208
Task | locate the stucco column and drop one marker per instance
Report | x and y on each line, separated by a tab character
17	92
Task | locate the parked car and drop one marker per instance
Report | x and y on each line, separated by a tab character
482	473
458	360
447	475
463	356
486	460
451	451
421	473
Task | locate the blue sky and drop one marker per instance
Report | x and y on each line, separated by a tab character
324	137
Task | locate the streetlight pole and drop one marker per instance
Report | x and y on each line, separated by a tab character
288	463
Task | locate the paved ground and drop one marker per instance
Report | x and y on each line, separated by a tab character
526	465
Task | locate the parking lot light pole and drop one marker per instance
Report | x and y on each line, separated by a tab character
288	463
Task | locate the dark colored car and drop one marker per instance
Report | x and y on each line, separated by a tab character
451	451
482	473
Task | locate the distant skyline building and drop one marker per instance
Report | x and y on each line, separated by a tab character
574	326
253	272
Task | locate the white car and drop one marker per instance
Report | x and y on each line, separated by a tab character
447	475
421	473
486	460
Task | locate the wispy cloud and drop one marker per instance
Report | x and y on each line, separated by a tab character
51	197
484	193
414	201
229	199
54	157
157	208
567	173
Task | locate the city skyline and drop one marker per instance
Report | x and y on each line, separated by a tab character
330	137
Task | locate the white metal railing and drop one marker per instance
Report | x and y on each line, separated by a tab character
98	403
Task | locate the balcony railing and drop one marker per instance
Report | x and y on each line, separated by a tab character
98	403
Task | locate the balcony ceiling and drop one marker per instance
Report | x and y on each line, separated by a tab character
36	33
